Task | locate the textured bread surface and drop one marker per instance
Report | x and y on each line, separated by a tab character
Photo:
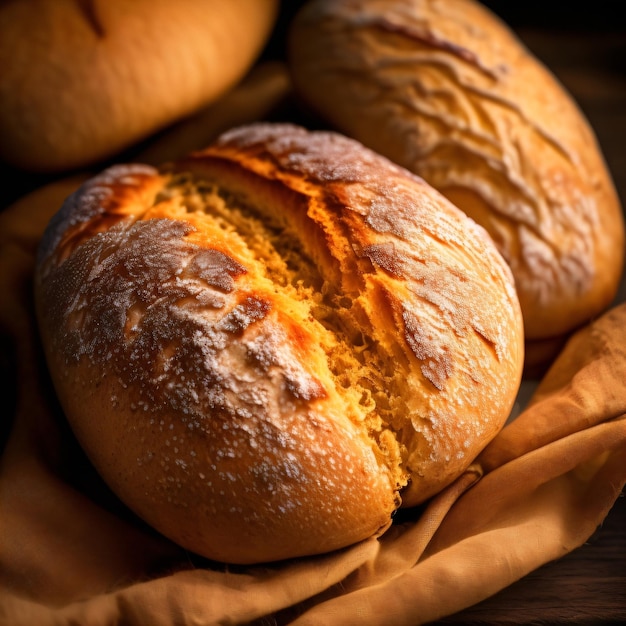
448	91
266	346
82	81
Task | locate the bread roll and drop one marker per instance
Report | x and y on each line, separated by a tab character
267	345
83	80
448	91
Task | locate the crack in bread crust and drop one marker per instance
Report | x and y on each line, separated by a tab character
307	328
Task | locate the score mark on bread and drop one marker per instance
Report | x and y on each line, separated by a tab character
263	347
448	91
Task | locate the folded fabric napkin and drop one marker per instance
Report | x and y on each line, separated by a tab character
71	553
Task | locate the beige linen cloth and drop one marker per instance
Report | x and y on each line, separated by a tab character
71	554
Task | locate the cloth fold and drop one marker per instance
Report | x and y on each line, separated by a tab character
71	553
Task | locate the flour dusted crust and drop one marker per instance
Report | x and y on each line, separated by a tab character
266	346
447	90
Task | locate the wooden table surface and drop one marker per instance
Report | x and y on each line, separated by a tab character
588	586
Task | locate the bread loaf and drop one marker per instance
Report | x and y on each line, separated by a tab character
82	81
448	91
266	346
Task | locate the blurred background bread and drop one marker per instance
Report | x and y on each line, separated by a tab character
448	91
82	81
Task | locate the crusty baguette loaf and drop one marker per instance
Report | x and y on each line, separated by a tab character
266	345
448	91
82	81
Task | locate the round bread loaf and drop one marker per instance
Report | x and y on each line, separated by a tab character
267	345
446	90
83	80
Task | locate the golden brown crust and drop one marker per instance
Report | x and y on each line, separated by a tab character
263	345
83	80
446	90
